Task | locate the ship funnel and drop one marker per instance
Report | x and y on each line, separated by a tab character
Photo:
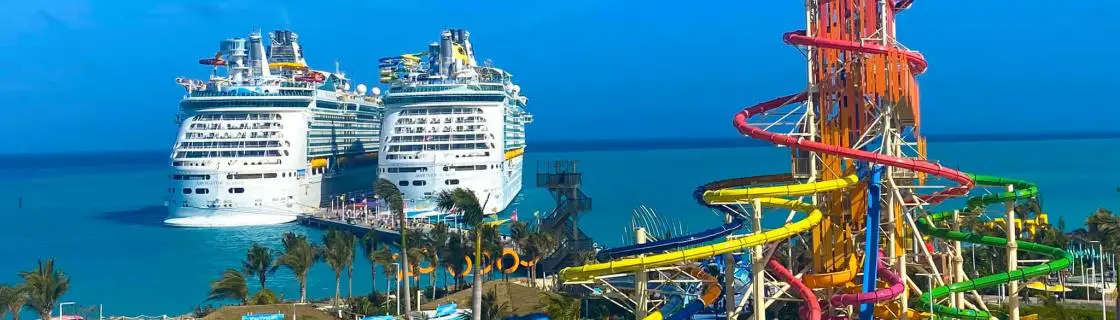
445	56
258	62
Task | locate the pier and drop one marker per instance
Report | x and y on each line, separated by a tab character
361	220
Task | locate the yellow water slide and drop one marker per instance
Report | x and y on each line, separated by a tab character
768	196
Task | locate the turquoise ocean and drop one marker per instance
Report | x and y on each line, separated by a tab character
100	216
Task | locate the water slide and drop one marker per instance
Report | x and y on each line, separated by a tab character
765	195
964	182
1022	190
702	236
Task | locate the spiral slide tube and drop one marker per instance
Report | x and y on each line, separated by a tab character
765	196
1023	190
917	65
702	236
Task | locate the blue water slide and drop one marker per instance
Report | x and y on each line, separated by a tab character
699	237
871	241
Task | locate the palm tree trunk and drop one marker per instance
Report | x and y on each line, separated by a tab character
303	289
350	282
337	286
407	301
372	278
476	291
15	315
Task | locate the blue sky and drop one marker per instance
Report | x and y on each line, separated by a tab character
99	75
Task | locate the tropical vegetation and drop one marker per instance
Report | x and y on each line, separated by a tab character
44	285
466	204
388	192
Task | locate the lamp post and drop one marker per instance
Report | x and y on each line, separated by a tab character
929	281
396	269
60	307
1100	258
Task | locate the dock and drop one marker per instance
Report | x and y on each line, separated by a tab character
363	221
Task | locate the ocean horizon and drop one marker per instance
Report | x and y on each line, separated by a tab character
100	215
562	145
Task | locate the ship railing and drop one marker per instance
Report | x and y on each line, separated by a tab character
282	93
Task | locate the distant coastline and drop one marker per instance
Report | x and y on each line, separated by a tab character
81	159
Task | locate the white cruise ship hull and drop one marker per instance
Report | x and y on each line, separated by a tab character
240	190
495	186
220	218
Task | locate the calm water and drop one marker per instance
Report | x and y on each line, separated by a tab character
101	220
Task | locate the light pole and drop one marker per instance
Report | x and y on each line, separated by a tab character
396	269
929	281
1100	258
60	307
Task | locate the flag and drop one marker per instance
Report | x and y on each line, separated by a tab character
513	216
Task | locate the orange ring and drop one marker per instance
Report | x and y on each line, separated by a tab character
489	266
516	261
467	268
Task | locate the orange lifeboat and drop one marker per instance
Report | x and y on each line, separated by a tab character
312	77
215	61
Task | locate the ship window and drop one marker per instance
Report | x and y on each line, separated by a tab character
408	169
236	190
191	177
419	182
201	190
403	183
451	182
186	191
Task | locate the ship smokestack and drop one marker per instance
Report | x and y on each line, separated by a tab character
445	56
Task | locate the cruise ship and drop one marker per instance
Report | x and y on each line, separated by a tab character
266	137
451	122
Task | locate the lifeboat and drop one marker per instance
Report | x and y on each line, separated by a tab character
312	77
318	163
215	61
287	65
212	62
514	153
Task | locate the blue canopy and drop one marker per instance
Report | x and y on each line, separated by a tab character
263	316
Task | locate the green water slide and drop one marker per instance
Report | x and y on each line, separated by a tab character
1060	259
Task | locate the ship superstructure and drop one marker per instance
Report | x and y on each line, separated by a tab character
266	137
452	123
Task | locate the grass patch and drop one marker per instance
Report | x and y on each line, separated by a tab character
521	299
302	312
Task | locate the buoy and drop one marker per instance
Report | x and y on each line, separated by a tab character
513	266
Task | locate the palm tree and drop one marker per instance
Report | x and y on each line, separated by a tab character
415	255
299	256
455	259
12	300
44	286
1104	226
230	285
388	192
467	204
560	307
384	258
350	240
259	262
370	242
491	242
538	245
438	239
339	254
